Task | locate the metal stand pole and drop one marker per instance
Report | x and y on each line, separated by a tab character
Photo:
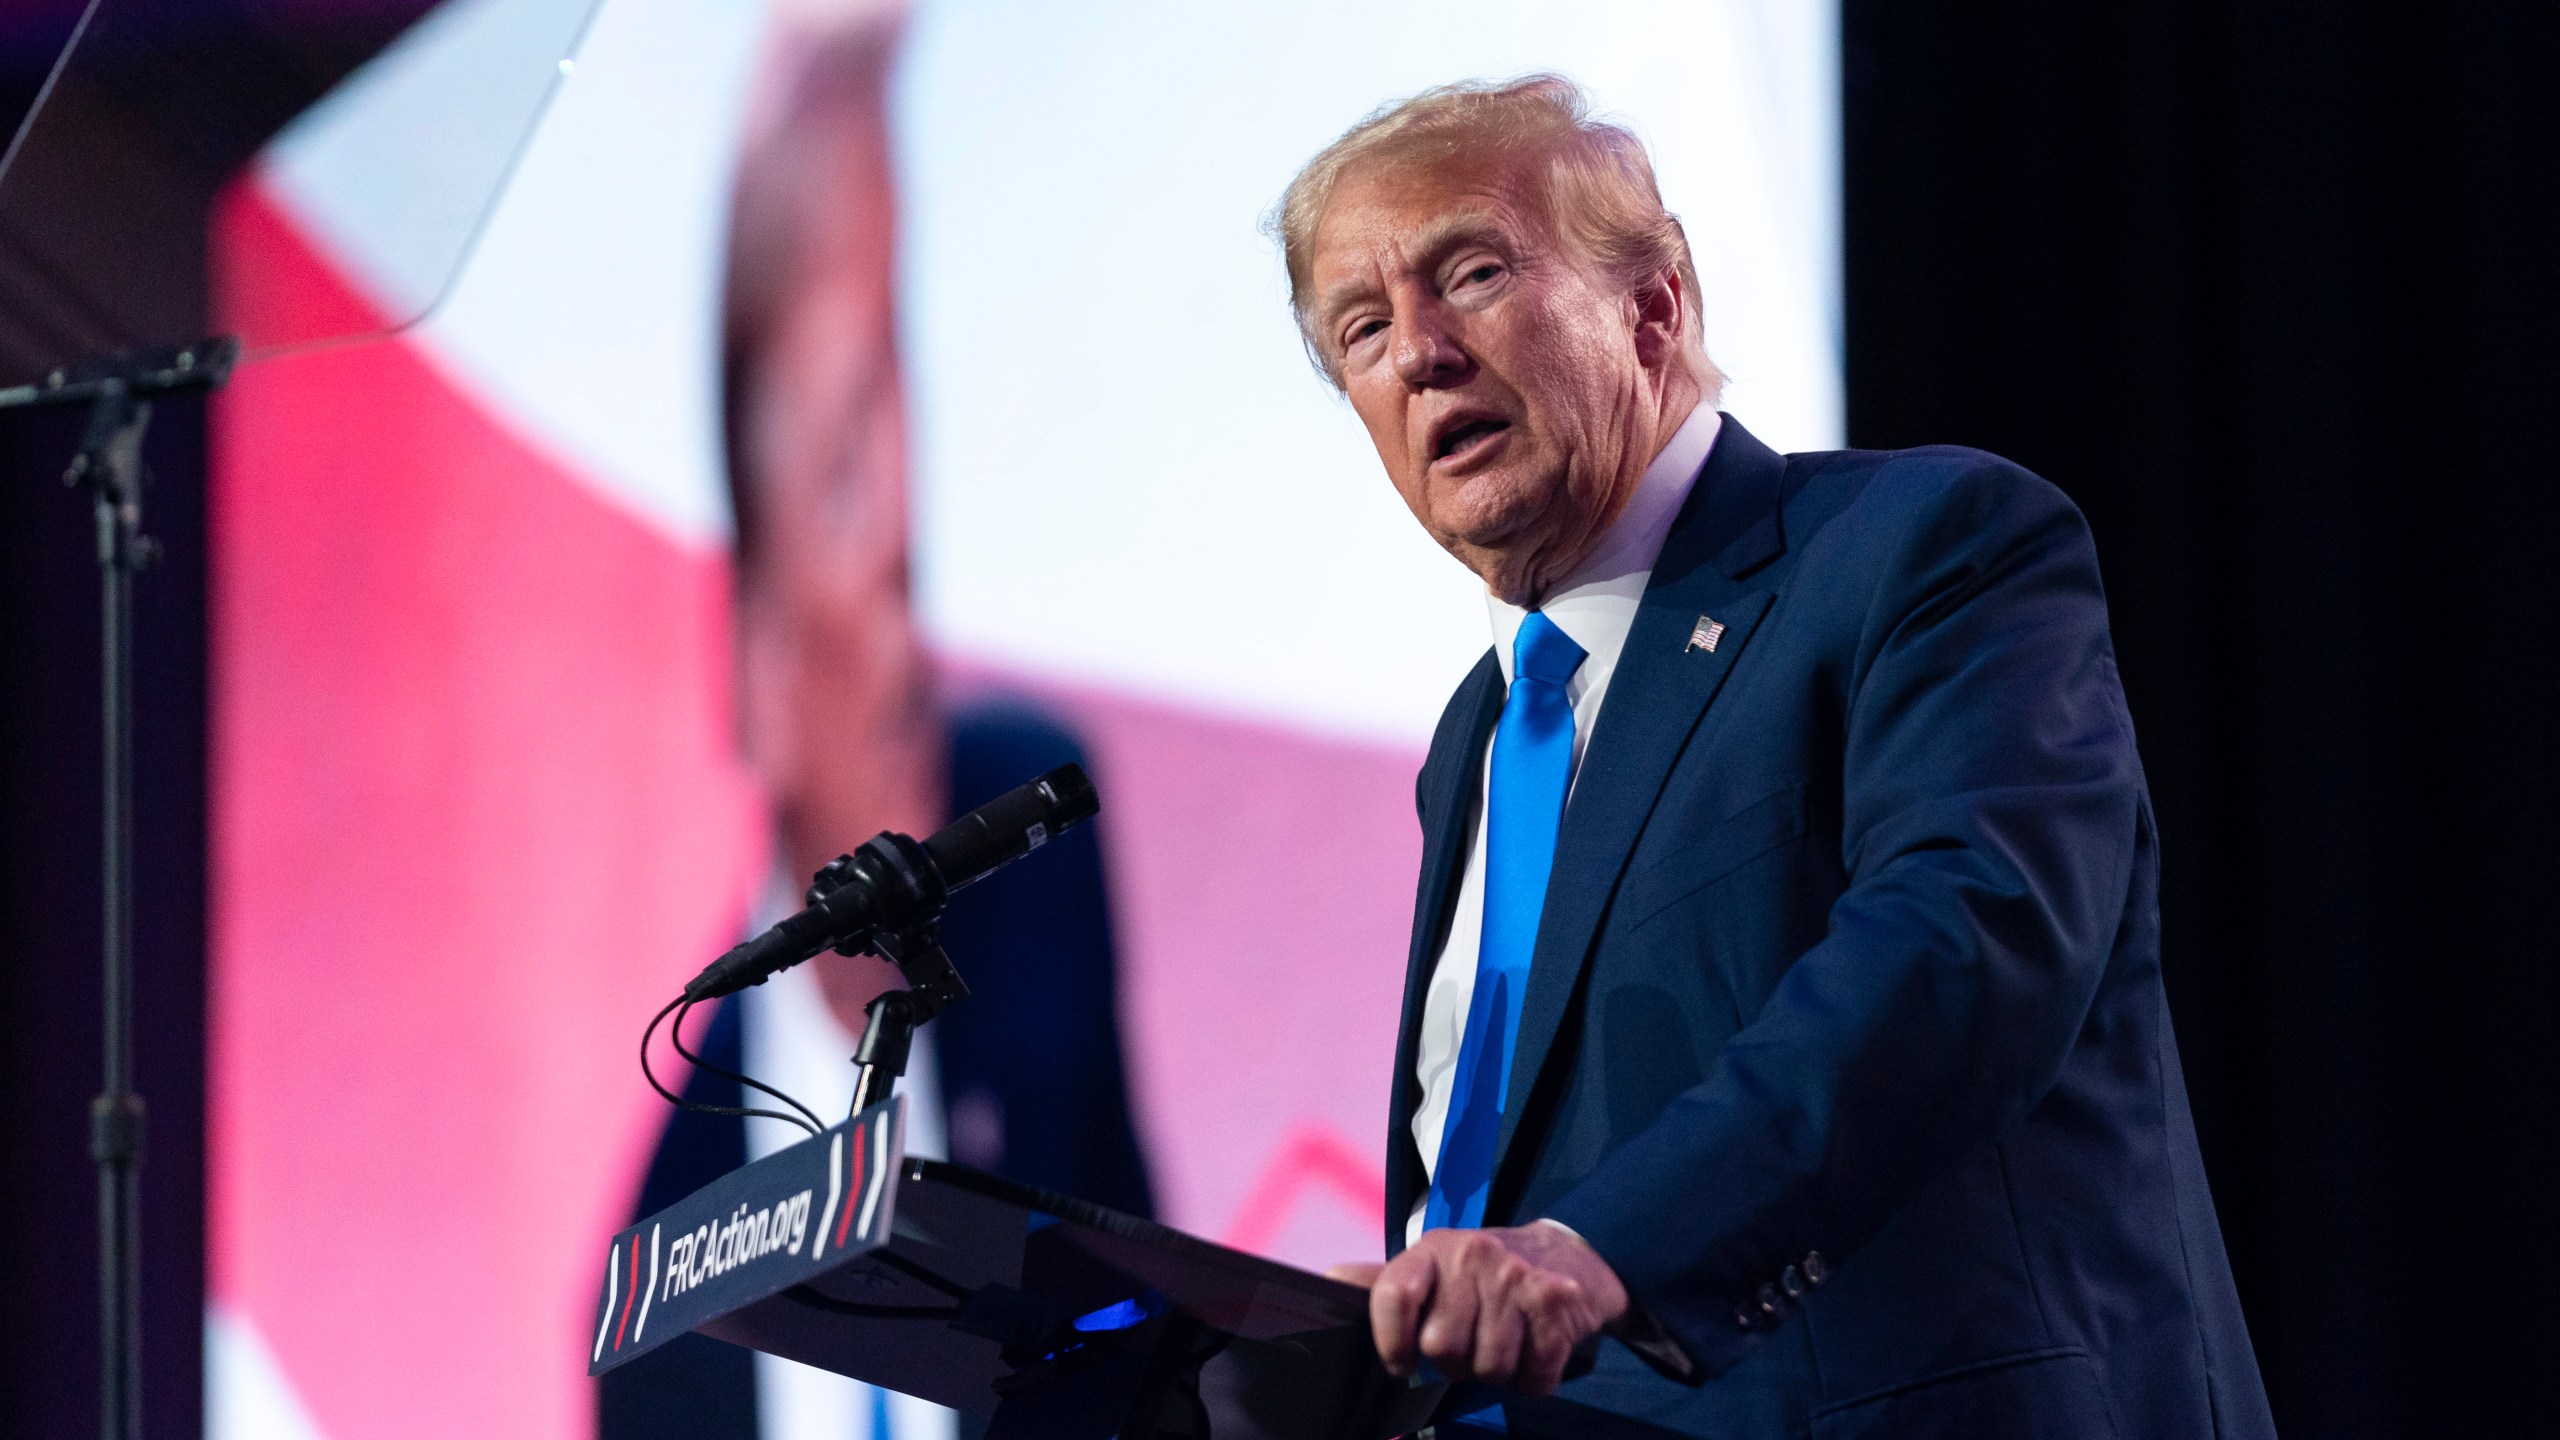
110	463
118	390
894	1014
882	1056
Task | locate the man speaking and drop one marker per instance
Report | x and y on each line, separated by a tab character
1784	997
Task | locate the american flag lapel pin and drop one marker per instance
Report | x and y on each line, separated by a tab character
1709	631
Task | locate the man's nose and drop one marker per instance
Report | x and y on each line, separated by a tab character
1427	354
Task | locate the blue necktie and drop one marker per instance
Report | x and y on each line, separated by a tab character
1532	766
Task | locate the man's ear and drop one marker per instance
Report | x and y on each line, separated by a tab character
765	679
1663	318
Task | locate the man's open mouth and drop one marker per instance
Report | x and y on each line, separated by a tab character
1466	435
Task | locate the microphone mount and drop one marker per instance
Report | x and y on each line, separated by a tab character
887	895
894	864
886	898
933	982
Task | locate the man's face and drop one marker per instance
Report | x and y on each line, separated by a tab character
833	679
1500	379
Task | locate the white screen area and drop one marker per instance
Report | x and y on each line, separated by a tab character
1127	472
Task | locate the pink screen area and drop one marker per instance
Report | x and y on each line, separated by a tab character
477	814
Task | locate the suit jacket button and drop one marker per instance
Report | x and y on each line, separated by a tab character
1768	1297
1814	1271
1742	1316
1791	1280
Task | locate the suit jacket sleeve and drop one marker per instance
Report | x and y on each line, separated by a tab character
1990	796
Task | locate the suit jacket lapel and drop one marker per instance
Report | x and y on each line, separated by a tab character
1451	774
1662	686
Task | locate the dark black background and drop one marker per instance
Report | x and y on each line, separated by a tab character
2257	285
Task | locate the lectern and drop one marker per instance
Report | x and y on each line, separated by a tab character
1058	1319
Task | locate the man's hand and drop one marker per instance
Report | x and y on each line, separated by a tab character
1504	1307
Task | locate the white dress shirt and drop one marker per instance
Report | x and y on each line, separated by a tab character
1594	605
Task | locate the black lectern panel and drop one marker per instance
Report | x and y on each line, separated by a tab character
758	1231
1060	1319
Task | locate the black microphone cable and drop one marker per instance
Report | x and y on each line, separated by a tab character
675	1036
680	1007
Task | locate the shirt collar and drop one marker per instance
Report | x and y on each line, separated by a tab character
1597	603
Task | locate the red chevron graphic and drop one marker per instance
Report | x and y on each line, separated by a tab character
1310	1157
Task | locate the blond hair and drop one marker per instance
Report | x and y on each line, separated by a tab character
1598	186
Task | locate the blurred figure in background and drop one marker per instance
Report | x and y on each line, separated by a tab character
837	717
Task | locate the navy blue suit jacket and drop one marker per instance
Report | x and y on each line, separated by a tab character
1850	968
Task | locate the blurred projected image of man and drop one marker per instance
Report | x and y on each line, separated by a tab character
838	720
1784	1004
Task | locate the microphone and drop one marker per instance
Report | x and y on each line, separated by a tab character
893	886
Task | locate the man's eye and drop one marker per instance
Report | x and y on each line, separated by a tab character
1365	329
1481	273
